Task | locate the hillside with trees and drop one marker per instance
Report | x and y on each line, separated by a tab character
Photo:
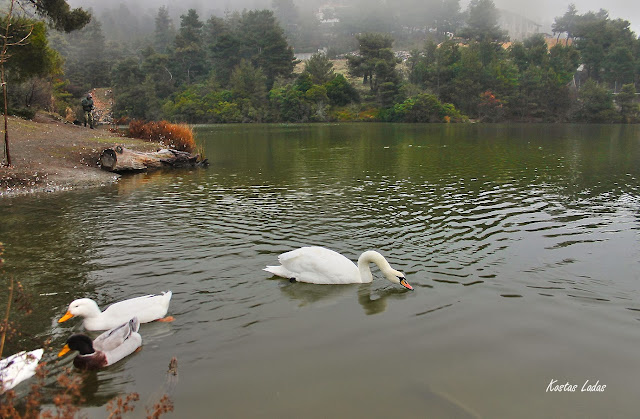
239	66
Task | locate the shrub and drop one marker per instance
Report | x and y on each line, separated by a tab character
24	113
422	108
224	112
177	136
490	108
341	92
595	104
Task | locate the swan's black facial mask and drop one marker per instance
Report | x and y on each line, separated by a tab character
404	283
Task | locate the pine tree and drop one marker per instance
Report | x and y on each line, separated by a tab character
164	33
189	54
320	68
263	43
58	13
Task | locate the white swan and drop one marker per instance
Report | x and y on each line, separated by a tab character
318	265
18	367
146	308
107	349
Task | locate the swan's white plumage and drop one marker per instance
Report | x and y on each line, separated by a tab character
146	308
318	265
18	367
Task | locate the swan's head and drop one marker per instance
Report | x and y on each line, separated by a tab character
391	274
83	307
398	277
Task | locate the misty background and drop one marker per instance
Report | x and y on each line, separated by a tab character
542	12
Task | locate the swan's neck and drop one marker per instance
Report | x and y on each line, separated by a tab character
363	264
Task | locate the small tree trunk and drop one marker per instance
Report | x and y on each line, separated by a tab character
6	124
120	159
3	59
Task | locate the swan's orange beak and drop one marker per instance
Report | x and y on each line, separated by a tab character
66	317
405	284
64	350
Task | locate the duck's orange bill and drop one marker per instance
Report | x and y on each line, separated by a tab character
405	284
66	317
64	350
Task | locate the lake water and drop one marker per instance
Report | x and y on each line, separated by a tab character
521	241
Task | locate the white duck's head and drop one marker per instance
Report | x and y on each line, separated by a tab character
83	307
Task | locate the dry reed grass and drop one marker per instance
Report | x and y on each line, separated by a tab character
177	136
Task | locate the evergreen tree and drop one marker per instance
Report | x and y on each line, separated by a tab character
619	66
468	84
158	74
376	64
286	13
608	48
340	92
626	101
566	23
448	17
128	85
248	88
86	64
263	43
482	23
33	59
248	82
320	68
595	104
564	61
59	14
189	54
223	48
164	34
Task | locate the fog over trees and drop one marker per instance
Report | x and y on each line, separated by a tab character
541	11
400	61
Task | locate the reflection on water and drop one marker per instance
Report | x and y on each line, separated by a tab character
372	301
521	242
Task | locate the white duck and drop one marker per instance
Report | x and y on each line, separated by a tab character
146	308
18	367
318	265
107	349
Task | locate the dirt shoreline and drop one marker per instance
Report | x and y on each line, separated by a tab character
49	155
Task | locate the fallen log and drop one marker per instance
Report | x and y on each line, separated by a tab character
120	159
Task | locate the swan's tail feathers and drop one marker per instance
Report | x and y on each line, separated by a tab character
279	271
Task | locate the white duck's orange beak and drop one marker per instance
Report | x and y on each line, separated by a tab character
66	317
405	284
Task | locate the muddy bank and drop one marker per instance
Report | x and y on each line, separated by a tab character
48	155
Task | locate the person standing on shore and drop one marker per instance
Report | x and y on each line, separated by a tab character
87	108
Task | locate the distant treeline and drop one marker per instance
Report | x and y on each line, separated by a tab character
240	68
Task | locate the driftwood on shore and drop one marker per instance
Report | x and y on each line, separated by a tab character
120	159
